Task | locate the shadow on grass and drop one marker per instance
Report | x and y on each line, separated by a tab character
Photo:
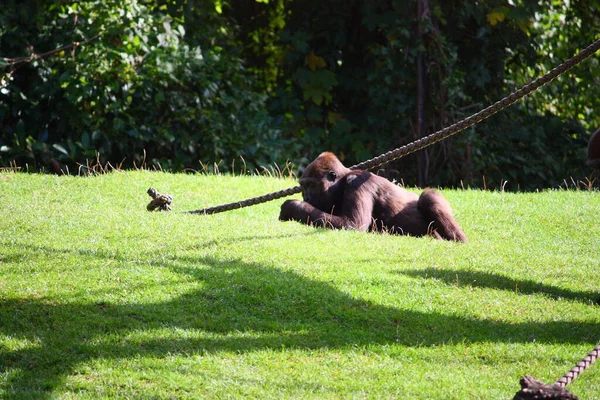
500	282
254	238
241	307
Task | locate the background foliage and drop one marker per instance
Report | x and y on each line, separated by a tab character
182	82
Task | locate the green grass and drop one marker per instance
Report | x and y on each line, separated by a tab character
100	298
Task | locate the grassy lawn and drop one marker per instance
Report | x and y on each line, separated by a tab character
100	298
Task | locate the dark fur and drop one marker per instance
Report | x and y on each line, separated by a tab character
341	198
593	151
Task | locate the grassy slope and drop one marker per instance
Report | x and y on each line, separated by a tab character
99	298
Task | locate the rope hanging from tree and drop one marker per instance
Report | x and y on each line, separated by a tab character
427	140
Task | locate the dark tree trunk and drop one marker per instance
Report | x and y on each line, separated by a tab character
422	156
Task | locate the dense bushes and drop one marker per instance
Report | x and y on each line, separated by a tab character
138	87
203	81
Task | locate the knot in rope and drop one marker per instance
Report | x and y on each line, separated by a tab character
160	202
533	389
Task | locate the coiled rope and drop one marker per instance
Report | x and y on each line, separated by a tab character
427	140
533	389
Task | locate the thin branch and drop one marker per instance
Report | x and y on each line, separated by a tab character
33	57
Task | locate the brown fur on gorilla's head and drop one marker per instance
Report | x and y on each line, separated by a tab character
320	181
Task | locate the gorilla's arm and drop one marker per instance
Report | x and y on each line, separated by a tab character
356	209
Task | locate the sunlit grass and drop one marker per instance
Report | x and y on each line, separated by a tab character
100	298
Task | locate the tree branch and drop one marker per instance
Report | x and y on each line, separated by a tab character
33	57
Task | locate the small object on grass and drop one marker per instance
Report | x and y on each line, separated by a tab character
160	202
532	389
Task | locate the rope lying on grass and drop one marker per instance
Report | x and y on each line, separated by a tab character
427	140
532	388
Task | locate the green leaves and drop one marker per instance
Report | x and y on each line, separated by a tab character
60	149
316	85
138	88
277	80
497	16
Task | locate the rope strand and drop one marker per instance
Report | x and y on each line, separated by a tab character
579	368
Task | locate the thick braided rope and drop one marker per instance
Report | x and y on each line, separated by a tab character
427	140
579	368
249	202
481	115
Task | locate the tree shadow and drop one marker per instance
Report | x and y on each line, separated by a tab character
255	238
240	307
496	281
